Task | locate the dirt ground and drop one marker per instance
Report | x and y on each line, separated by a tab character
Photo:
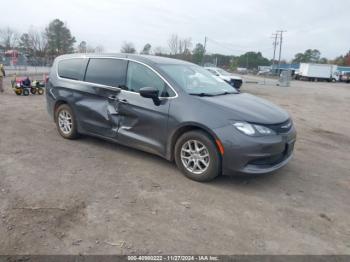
89	196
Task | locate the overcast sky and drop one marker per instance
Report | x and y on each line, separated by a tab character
232	26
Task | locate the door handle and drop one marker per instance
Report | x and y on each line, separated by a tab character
124	101
113	98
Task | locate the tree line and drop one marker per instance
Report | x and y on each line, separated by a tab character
314	56
41	46
182	48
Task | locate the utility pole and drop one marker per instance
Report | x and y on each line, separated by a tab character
274	43
280	32
205	49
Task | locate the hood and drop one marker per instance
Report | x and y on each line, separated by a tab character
249	108
228	78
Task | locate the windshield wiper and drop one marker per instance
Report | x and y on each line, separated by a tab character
224	93
215	94
200	94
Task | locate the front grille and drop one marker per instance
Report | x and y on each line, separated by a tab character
281	128
274	159
268	161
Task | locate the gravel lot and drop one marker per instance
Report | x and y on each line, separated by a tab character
89	196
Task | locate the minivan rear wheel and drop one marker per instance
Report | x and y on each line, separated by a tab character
65	122
197	157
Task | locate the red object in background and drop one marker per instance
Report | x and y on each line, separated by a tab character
46	78
13	54
347	59
19	80
14	58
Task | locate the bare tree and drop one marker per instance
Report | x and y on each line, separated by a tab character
128	47
146	49
99	49
186	44
82	47
90	49
34	45
179	45
158	50
9	38
173	44
38	40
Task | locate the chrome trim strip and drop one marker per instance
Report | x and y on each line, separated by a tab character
112	87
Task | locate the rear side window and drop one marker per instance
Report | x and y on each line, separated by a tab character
106	71
71	68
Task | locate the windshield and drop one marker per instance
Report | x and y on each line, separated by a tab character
223	72
195	80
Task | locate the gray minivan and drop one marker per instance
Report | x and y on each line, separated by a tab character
171	108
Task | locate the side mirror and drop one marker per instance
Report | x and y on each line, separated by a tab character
150	92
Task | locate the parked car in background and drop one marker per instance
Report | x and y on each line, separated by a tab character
242	70
233	80
344	77
264	72
171	108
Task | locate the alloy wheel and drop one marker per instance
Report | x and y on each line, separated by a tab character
195	156
65	122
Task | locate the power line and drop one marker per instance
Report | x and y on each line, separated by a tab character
225	46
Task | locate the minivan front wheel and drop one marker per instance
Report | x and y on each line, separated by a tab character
65	122
197	157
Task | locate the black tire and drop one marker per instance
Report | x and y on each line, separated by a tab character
18	91
73	133
214	167
25	92
33	90
40	91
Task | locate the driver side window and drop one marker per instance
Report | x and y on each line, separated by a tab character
139	76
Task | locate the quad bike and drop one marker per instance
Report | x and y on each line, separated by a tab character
37	87
23	86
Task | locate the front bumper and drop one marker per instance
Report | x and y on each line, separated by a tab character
254	155
236	83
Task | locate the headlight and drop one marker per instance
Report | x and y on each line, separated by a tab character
253	130
263	130
245	128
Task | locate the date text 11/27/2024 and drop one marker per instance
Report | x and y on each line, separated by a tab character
173	258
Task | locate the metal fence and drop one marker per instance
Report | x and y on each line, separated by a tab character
23	70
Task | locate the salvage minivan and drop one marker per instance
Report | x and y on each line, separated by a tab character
171	108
